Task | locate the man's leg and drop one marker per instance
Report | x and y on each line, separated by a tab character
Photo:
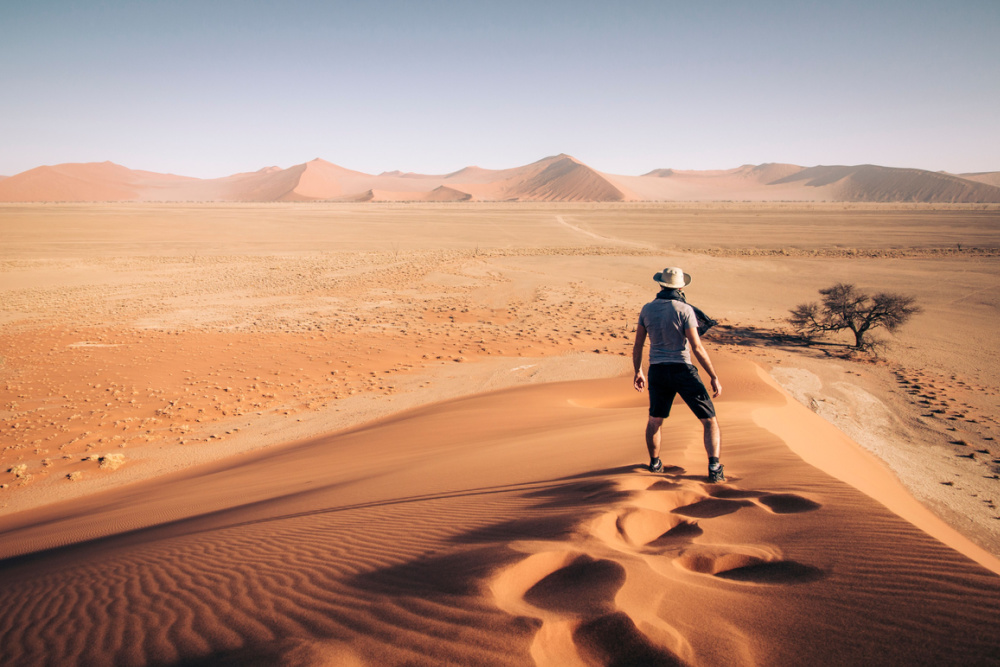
713	446
653	437
661	395
713	438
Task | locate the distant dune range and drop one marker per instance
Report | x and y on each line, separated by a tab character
559	178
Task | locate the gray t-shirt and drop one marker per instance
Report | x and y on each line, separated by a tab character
665	321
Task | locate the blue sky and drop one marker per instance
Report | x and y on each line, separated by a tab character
211	88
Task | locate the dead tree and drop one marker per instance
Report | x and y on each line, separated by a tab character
845	307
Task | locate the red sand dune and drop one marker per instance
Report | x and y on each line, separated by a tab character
559	178
103	181
507	528
562	178
444	193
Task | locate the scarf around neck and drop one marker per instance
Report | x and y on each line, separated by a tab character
671	294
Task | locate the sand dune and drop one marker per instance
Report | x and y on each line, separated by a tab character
746	183
444	193
104	181
884	184
771	182
545	542
764	173
562	179
559	178
313	180
987	177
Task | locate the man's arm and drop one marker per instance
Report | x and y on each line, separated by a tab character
639	382
702	356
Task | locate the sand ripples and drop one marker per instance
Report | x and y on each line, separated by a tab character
326	575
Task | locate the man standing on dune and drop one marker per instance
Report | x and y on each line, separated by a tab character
672	328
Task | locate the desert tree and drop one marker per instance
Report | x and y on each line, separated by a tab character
845	307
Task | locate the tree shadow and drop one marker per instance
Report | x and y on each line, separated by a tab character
758	336
751	336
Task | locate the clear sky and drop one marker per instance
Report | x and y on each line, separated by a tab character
212	87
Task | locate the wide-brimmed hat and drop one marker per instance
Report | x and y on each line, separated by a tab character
672	278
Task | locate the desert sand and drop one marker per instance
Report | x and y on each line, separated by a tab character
308	433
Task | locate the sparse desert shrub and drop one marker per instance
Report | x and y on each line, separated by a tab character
112	461
846	307
74	476
19	471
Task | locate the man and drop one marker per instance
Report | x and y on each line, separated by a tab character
672	328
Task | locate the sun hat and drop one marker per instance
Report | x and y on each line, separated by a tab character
672	278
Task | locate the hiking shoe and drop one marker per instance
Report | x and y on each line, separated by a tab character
716	475
656	465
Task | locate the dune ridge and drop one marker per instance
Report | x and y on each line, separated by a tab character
421	556
558	178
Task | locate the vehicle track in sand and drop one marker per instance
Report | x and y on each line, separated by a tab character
599	237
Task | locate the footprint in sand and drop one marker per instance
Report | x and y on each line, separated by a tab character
573	591
643	527
778	503
585	587
761	568
709	508
614	639
583	591
748	568
664	485
788	503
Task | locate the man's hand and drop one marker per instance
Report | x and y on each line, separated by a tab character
640	381
716	387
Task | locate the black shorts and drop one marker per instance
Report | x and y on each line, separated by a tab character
668	380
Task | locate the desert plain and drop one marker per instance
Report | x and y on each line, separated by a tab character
391	433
